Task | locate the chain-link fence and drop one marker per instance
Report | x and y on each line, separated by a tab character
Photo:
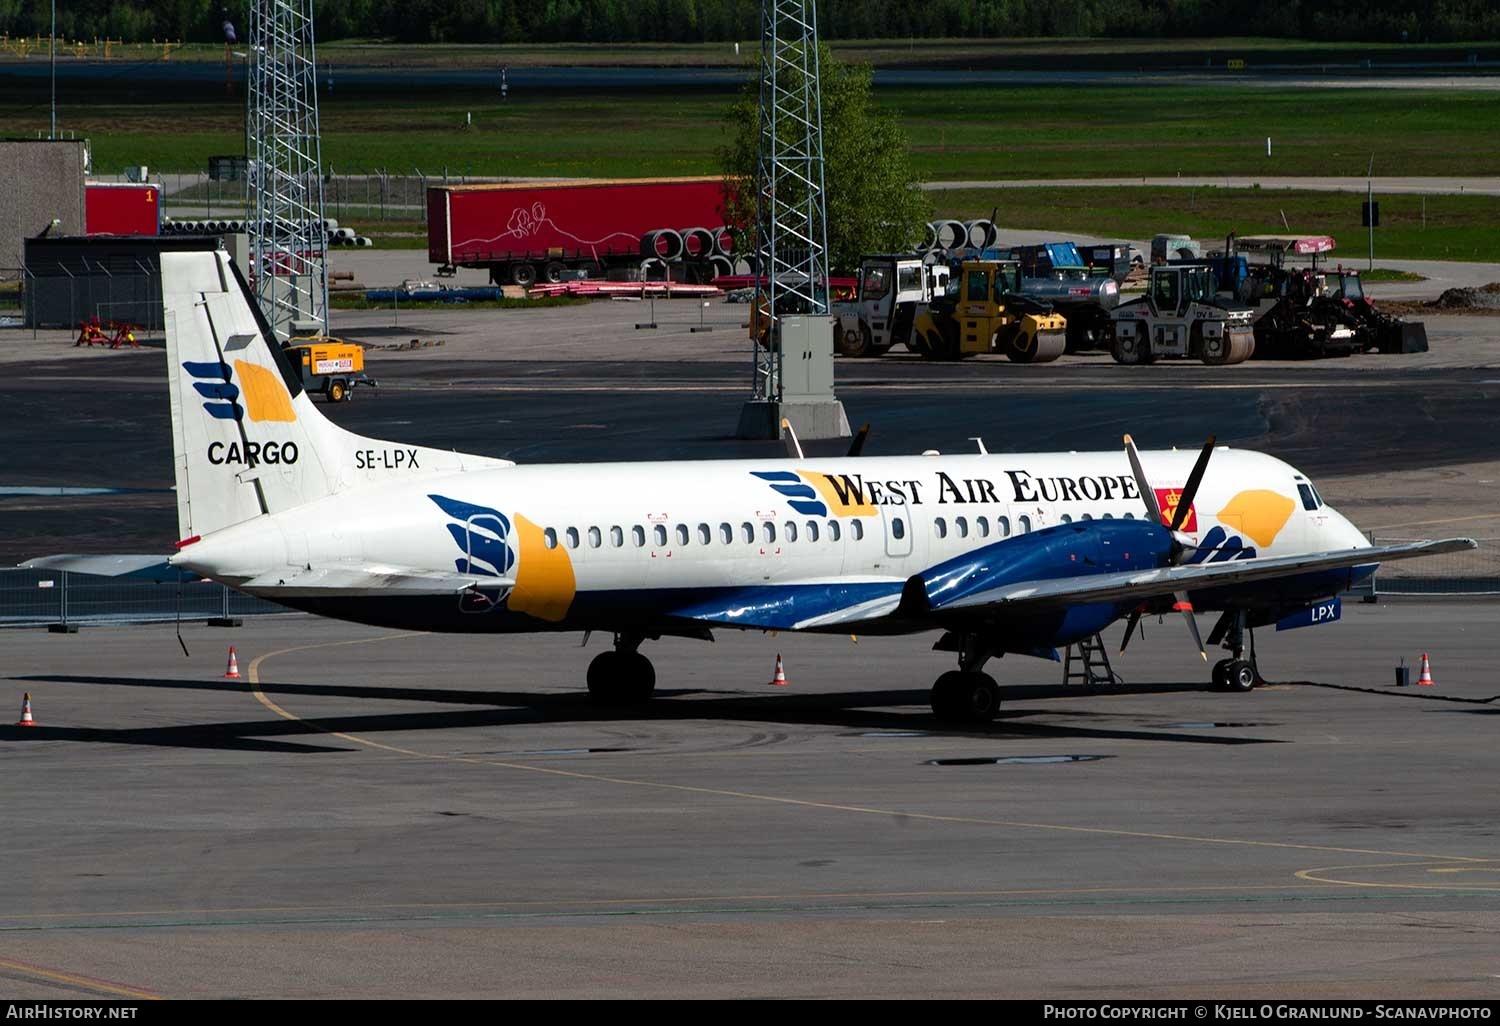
30	598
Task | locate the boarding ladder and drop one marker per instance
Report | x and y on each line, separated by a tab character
1093	668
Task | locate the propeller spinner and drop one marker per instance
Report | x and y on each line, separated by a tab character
1183	545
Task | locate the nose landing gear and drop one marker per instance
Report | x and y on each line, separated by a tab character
1240	672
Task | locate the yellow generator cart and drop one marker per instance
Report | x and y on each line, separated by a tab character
329	365
984	312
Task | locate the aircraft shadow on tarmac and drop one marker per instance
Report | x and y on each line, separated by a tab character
856	710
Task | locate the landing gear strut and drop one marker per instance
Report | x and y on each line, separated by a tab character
1238	673
967	695
622	676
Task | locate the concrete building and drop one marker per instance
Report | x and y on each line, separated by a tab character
41	180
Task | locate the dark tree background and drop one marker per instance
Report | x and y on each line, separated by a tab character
683	21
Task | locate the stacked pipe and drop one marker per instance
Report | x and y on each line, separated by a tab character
336	236
942	237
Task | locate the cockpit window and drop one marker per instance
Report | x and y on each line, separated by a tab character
1309	497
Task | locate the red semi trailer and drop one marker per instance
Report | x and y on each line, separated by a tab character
537	231
123	208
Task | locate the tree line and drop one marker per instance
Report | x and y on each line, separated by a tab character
689	21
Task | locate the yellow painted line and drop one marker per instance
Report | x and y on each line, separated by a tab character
81	981
1313	876
254	678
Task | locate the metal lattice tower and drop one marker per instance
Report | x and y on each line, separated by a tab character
791	219
287	236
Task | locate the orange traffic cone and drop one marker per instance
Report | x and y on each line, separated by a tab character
232	671
1425	680
26	720
778	681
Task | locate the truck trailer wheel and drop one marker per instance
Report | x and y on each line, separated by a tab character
523	275
552	272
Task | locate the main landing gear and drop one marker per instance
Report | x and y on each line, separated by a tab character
1238	673
622	676
966	695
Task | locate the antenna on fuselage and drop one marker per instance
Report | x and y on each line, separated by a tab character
979	442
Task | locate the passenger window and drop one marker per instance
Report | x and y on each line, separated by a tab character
1308	502
857	529
683	535
812	530
1128	516
704	534
660	534
940	527
1087	516
768	530
747	529
834	530
1002	527
1066	518
596	539
572	536
789	529
726	534
549	537
983	526
961	525
898	527
638	535
617	536
1023	525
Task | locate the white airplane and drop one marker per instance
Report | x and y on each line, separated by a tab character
1015	553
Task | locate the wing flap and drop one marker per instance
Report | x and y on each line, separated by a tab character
1142	584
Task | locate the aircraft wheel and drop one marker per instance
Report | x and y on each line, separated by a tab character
621	678
959	697
1240	675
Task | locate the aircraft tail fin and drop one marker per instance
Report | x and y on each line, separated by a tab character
246	438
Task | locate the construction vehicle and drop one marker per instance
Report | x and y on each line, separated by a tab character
1308	312
329	366
984	310
1055	273
1181	315
1377	330
891	291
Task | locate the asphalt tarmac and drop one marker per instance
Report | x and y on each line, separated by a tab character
368	814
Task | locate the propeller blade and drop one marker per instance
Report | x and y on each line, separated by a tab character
857	446
1130	626
1190	490
1181	604
789	438
1148	495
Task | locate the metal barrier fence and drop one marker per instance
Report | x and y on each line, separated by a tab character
375	195
31	598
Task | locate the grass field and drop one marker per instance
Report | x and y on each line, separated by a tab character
956	134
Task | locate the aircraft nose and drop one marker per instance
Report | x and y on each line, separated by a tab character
1344	534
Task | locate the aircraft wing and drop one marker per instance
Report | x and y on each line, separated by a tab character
1144	584
366	580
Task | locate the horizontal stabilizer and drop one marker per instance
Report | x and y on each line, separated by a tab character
143	566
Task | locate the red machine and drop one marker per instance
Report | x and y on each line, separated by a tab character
539	231
123	208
